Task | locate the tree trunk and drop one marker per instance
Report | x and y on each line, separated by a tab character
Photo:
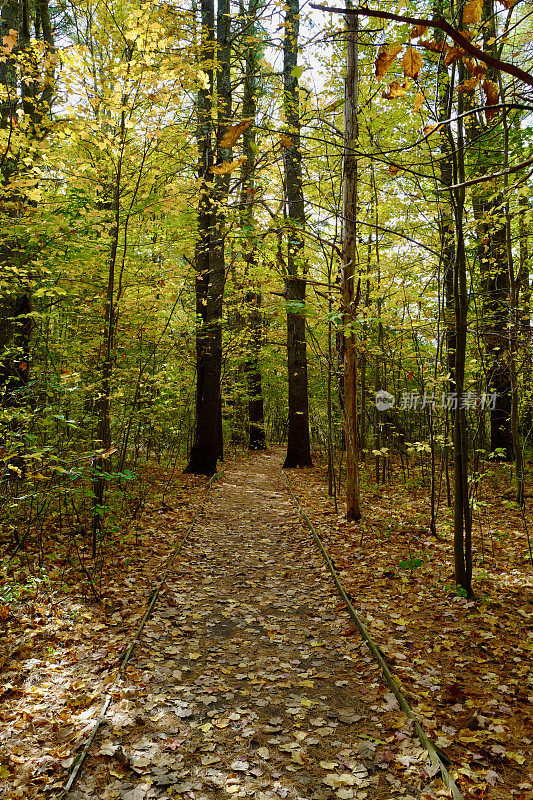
207	446
349	291
256	419
462	514
298	443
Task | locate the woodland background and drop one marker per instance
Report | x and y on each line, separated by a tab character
226	226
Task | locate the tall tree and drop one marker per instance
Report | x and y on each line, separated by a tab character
298	442
214	100
256	421
350	283
26	85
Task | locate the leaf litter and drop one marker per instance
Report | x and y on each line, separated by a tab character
242	684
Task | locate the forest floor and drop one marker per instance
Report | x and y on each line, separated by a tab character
249	679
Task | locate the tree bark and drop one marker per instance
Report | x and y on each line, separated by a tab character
298	443
207	446
350	283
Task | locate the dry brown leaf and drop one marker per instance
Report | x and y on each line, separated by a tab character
394	170
228	166
10	40
232	134
453	54
472	12
468	85
285	141
418	30
490	91
433	46
395	90
411	63
419	101
507	3
385	59
479	70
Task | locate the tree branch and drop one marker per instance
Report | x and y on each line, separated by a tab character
483	178
441	24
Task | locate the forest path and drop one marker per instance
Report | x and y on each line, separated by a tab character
242	684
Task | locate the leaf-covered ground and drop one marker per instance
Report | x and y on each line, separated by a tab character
465	665
249	680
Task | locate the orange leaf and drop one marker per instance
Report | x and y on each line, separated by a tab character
419	101
411	63
232	134
468	85
395	90
385	59
507	3
10	40
491	98
472	12
286	141
453	54
394	170
226	166
430	128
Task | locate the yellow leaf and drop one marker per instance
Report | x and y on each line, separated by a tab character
430	128
232	134
419	101
195	656
472	12
228	166
515	757
395	90
411	63
385	59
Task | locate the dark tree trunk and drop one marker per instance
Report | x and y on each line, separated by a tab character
256	421
462	513
257	437
207	446
298	442
16	323
489	212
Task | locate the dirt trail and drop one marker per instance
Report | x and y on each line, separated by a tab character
243	684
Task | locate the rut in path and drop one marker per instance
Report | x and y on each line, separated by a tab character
243	684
